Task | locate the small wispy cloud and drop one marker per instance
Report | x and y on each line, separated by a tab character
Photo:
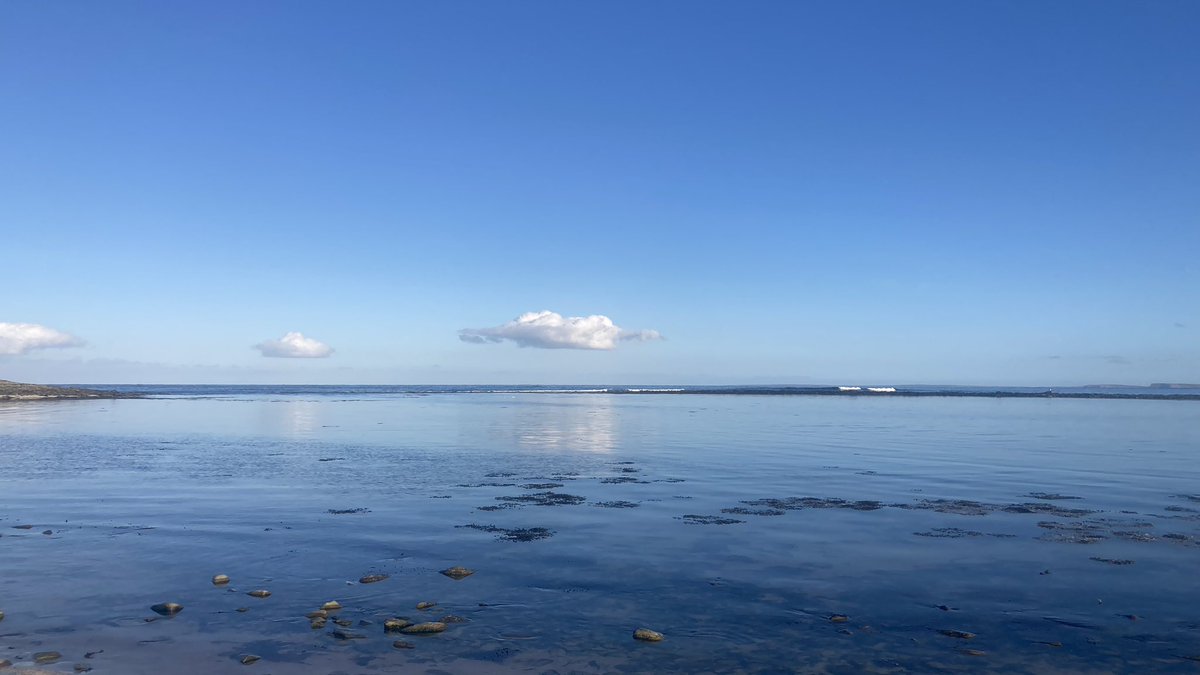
551	330
294	346
1180	324
19	338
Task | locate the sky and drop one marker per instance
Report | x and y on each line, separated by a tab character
677	191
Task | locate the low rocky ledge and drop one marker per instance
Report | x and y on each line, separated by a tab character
16	391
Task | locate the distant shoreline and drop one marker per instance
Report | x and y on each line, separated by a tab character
13	391
18	391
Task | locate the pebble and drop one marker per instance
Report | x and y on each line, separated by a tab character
259	594
458	573
347	635
220	580
426	605
331	605
401	644
42	658
839	618
395	625
242	609
960	634
372	578
250	658
647	635
428	627
167	608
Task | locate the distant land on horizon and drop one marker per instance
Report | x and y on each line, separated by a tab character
14	391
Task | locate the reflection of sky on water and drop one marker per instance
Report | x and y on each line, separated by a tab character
586	426
297	418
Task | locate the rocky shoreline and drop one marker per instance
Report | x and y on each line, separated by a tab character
17	391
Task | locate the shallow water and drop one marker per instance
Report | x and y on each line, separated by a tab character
147	499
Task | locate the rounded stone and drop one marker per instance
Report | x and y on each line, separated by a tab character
43	658
220	580
839	618
372	578
647	635
331	605
261	593
250	658
395	625
318	623
458	573
319	614
167	608
427	627
426	605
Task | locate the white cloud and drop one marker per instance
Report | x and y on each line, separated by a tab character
550	330
294	346
18	338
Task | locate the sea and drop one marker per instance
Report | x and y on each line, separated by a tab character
757	529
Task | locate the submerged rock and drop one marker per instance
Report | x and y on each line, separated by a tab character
43	658
960	634
426	605
318	623
396	625
167	608
427	627
1112	561
974	652
708	520
319	614
647	635
242	610
401	644
344	623
250	658
457	573
454	618
838	618
372	578
347	635
261	593
1	616
220	580
5	663
331	605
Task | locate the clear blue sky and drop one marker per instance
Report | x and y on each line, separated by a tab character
859	192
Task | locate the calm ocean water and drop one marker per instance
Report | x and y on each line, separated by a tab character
1064	535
